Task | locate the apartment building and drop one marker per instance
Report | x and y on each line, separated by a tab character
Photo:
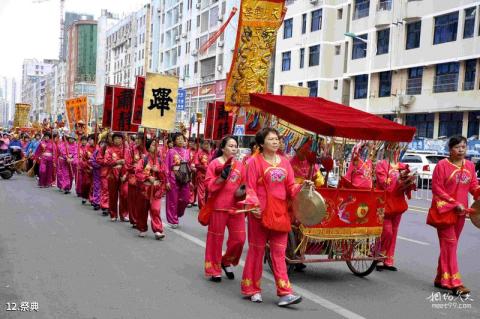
414	62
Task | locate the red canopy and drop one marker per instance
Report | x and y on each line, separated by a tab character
331	119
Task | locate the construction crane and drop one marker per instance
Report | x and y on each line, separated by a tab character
62	9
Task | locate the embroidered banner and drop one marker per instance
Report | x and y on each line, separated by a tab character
256	36
76	110
107	106
160	101
21	115
138	100
122	110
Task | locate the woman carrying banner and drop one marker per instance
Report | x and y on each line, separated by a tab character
202	158
178	179
134	154
67	161
151	175
270	182
223	179
393	177
45	155
84	182
117	186
452	180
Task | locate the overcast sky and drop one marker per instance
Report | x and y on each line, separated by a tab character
31	30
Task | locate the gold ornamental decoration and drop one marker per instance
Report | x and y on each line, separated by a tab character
256	36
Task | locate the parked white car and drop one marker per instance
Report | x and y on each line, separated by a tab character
423	163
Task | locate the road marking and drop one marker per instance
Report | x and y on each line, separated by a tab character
418	210
304	292
414	241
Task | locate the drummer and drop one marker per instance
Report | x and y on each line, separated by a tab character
452	180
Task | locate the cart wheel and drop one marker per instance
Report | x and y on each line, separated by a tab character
291	245
7	174
361	268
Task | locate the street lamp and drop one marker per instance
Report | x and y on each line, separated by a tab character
370	59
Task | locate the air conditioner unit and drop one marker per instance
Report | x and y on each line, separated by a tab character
313	1
220	19
221	44
177	38
184	35
220	68
406	100
180	16
195	52
198	5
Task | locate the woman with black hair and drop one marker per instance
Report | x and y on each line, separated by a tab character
45	155
270	182
452	180
223	179
150	174
178	180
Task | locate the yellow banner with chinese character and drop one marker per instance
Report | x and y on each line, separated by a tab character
292	90
21	115
256	36
160	101
77	110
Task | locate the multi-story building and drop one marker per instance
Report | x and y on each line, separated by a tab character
106	21
411	61
184	27
8	97
70	18
81	60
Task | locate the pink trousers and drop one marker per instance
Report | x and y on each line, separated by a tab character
448	274
216	232
258	236
389	237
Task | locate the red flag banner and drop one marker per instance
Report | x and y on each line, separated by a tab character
122	110
138	100
107	106
209	121
218	33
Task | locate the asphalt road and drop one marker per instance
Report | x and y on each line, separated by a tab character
77	264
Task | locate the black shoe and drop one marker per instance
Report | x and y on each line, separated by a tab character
66	192
216	279
96	207
194	204
134	226
84	201
105	213
300	267
230	275
384	267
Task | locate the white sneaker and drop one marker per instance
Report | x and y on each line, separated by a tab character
173	226
256	298
142	234
289	300
159	235
113	220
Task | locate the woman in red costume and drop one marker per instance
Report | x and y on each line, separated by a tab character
452	180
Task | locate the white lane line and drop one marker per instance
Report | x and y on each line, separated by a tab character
304	292
418	210
414	241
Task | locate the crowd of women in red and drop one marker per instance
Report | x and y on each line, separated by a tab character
127	178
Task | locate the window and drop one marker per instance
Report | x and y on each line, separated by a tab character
304	23
450	124
314	55
470	70
446	77
300	83
422	122
302	58
383	39
385	84
411	159
361	84
361	9
339	14
385	5
413	35
359	49
288	28
414	82
316	23
473	121
446	28
313	88
286	58
469	25
335	84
